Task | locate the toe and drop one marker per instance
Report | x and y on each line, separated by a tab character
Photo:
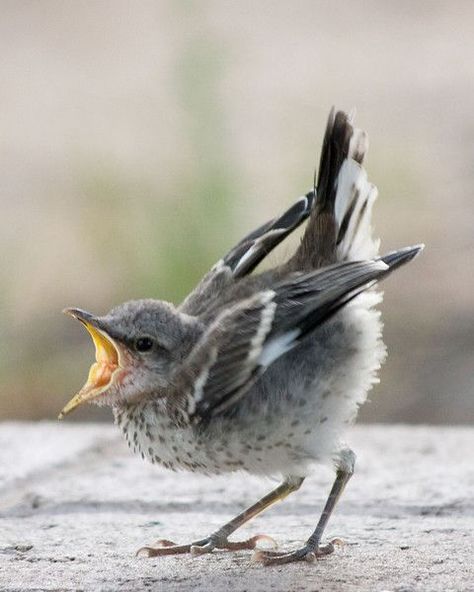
279	558
249	543
268	558
153	551
166	548
202	549
262	556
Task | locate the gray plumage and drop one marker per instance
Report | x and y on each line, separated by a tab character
264	372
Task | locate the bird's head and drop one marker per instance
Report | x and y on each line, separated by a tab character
137	346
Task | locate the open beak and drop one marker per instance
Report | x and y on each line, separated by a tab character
103	371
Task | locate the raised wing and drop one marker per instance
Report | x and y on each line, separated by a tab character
248	337
247	254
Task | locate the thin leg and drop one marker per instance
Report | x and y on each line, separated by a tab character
312	547
219	538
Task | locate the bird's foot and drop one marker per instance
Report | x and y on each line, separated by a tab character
207	545
307	553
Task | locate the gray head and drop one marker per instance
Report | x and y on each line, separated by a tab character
137	346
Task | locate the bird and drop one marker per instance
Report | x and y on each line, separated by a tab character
258	372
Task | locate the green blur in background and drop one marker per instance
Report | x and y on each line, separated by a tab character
140	140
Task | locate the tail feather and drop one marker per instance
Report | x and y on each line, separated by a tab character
339	228
353	211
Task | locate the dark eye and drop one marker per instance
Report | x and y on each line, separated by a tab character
144	344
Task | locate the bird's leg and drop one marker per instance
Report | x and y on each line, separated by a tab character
219	538
312	548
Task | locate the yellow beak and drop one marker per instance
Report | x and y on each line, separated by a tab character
101	372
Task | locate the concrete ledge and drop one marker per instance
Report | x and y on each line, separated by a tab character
75	505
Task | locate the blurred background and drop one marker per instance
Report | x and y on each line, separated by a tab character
138	141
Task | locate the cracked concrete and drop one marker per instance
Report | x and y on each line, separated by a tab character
75	505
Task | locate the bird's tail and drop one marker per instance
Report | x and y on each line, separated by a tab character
339	228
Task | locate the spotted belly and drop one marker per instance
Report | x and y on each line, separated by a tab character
278	451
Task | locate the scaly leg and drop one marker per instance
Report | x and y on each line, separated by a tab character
312	547
219	538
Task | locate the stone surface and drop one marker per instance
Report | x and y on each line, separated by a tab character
75	505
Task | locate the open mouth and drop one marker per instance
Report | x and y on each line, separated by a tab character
103	370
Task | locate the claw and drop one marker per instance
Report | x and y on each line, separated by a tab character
144	552
264	537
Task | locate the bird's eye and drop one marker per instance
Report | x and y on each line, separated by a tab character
144	344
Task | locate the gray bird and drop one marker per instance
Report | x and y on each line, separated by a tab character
260	373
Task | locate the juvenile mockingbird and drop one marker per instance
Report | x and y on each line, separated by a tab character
260	373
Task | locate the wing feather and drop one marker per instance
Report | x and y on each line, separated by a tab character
251	334
247	254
